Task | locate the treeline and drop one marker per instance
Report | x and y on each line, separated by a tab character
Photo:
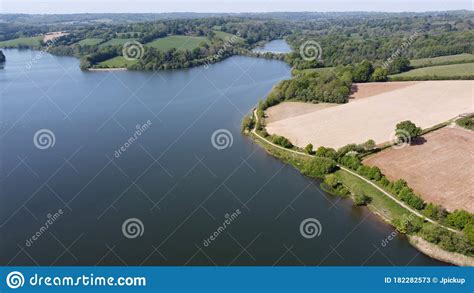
324	87
95	58
353	39
461	220
324	164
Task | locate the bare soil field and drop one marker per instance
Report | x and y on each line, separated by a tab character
53	35
291	109
426	103
365	90
440	170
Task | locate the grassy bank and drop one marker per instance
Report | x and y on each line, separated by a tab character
442	60
437	241
453	72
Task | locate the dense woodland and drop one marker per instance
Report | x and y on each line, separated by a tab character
345	38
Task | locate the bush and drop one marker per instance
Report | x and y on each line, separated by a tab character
282	141
331	180
459	219
431	233
318	167
326	153
406	194
368	145
408	225
435	212
309	149
363	170
398	185
248	123
351	162
469	232
348	148
360	199
384	181
374	173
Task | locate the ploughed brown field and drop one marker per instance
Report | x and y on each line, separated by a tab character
372	113
440	169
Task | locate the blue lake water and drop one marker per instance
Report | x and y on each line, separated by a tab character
275	46
88	161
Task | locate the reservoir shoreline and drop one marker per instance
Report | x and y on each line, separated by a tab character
429	249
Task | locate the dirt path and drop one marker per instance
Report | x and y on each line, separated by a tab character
358	176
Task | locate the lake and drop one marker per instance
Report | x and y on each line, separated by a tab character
82	153
275	46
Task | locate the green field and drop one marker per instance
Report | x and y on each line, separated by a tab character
380	203
442	71
178	42
90	42
443	60
227	36
116	62
29	41
115	42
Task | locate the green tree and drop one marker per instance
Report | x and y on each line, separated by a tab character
380	74
363	71
331	180
369	145
353	162
399	64
318	167
469	232
406	131
309	149
375	173
459	219
282	141
326	152
360	198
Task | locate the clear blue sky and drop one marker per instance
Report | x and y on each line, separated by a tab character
91	6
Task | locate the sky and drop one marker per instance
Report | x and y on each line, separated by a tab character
137	6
